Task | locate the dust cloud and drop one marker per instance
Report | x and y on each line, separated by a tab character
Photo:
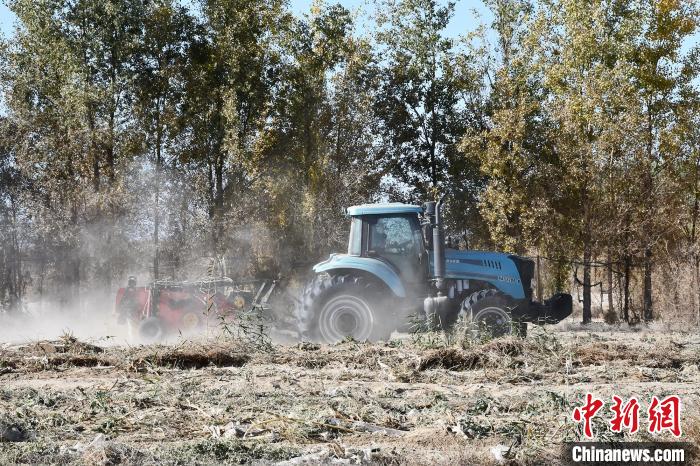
92	320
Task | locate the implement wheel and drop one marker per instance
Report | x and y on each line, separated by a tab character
151	330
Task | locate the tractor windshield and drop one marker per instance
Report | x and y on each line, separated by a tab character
397	239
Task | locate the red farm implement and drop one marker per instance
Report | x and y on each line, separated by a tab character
168	307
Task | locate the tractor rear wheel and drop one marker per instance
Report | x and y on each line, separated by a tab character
341	306
487	315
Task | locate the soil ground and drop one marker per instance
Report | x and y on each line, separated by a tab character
413	400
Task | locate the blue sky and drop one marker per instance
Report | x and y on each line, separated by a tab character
6	19
467	16
464	19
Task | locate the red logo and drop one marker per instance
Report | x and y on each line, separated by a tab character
586	413
626	416
663	415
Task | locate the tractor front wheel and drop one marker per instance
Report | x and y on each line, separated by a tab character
342	306
487	315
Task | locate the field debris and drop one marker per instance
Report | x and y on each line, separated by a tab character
415	400
490	354
12	432
194	357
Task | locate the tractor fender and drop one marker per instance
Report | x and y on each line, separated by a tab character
374	267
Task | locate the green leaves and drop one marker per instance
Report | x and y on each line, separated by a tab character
425	80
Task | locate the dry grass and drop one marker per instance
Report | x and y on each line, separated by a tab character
409	401
491	354
192	357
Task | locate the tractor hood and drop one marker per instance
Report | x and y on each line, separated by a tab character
508	273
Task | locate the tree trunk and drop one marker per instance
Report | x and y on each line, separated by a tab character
156	212
74	261
219	202
11	279
611	303
433	166
110	150
648	311
626	308
697	288
17	263
649	186
539	278
692	246
112	112
587	283
217	177
211	189
94	152
111	221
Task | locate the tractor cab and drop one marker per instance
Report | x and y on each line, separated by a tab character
392	234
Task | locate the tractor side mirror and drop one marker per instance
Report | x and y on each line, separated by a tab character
427	230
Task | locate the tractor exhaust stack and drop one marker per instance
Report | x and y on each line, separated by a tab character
438	248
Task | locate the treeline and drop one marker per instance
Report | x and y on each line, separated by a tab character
153	137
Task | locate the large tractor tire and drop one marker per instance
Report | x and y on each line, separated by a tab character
151	330
486	314
336	307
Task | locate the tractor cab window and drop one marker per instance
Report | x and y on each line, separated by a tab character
355	242
392	236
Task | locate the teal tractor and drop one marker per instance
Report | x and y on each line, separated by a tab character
397	265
